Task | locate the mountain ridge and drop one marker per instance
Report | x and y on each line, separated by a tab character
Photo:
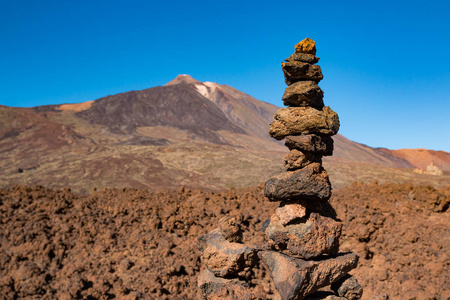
187	132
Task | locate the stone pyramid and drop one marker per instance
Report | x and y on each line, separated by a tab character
302	253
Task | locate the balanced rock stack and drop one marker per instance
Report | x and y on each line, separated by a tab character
304	232
302	255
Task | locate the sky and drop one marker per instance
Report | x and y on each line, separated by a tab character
386	64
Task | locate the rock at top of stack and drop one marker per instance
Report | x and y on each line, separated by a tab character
299	66
305	51
307	46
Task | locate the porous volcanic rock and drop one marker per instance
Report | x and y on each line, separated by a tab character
213	287
303	93
306	46
223	258
230	229
297	71
304	120
232	291
208	283
348	287
129	243
294	278
297	159
308	58
306	238
309	183
322	145
289	212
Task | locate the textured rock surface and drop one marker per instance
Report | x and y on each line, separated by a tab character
309	183
212	287
233	291
224	258
287	213
295	278
230	229
208	283
307	238
104	243
296	71
296	159
306	46
348	287
322	145
308	58
304	120
303	93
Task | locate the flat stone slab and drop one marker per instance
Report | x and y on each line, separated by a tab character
296	278
304	120
320	144
304	57
309	183
223	258
299	71
307	238
303	93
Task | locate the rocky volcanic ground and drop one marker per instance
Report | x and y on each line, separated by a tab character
140	244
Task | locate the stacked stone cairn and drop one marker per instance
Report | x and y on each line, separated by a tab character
302	255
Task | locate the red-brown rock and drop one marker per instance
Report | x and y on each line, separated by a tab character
309	183
303	93
306	238
295	278
348	287
213	287
297	71
222	257
297	159
304	57
287	213
304	120
320	144
230	229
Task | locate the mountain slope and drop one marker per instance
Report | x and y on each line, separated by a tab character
421	158
199	134
177	106
347	150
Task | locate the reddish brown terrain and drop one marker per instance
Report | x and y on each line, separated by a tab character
137	239
421	158
141	244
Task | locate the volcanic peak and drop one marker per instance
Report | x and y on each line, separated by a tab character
182	78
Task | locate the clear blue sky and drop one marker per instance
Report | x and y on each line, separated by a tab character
386	64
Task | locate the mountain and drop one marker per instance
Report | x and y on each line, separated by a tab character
421	158
199	134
